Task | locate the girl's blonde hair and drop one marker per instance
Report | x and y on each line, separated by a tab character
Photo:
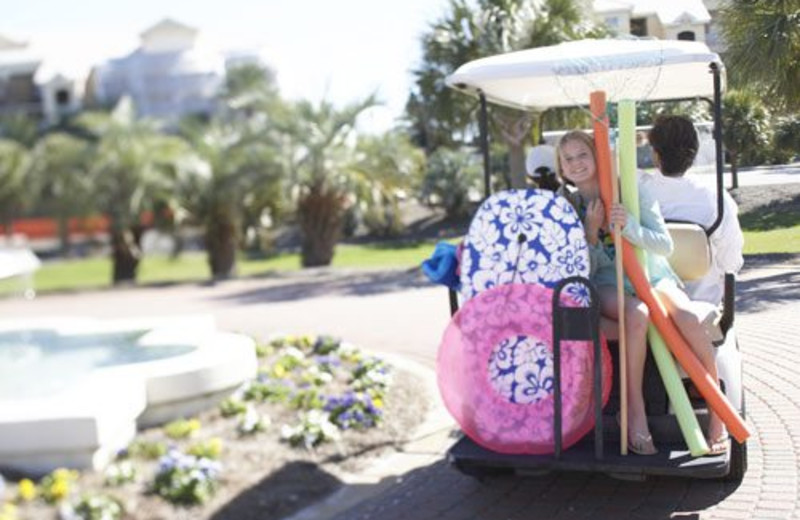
573	135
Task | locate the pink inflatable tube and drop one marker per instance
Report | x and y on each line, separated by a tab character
518	315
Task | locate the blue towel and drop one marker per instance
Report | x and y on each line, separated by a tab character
442	266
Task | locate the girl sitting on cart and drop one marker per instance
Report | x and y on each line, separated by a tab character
576	163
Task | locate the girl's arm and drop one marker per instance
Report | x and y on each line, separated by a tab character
651	234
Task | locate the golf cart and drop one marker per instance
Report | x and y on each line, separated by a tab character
563	76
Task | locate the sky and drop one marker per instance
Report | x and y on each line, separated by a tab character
340	50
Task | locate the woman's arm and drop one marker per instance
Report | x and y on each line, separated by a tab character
651	232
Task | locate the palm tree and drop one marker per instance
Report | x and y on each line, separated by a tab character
452	177
763	45
63	185
132	165
238	179
20	128
14	168
320	148
235	163
747	132
441	117
388	167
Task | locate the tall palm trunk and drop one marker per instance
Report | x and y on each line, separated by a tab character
221	239
65	244
321	215
126	253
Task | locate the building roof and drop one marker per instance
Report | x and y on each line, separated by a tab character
168	35
168	25
7	43
673	12
17	57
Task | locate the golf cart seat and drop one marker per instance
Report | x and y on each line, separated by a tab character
691	255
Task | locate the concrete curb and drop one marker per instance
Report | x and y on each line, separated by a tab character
427	445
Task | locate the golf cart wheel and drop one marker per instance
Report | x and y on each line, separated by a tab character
738	456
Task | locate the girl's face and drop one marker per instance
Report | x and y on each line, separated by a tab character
577	162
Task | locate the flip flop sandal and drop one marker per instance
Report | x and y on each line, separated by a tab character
719	445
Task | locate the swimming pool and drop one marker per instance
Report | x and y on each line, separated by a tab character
74	391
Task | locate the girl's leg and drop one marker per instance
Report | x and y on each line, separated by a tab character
689	323
636	320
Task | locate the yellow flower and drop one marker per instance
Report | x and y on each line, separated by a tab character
215	443
279	370
65	474
59	490
377	402
8	511
26	490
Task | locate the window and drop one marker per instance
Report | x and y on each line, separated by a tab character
686	35
639	26
62	97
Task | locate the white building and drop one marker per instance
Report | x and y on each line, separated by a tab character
18	91
170	75
29	86
662	19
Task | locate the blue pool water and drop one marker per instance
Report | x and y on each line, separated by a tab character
39	363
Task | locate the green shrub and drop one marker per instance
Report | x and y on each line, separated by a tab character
97	507
181	428
147	449
120	473
186	479
210	449
232	406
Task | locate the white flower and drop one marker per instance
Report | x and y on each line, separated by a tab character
518	220
288	432
483	234
553	235
563	211
295	353
494	258
503	384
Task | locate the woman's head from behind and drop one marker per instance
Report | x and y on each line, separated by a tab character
576	160
675	144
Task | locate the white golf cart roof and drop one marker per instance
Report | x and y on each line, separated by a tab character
564	75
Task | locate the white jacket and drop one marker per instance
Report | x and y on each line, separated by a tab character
685	199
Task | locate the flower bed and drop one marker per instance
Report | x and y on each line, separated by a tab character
317	408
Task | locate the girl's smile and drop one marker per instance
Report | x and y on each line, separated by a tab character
577	162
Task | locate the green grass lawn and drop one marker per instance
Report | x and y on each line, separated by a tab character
772	228
95	273
782	240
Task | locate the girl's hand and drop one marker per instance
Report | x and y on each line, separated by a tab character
618	216
595	216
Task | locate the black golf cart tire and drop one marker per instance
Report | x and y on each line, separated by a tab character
738	455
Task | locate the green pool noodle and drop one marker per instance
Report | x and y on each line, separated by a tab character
687	421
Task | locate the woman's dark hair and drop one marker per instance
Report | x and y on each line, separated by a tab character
675	141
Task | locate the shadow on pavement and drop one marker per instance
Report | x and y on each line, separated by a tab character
439	491
280	494
332	284
768	291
